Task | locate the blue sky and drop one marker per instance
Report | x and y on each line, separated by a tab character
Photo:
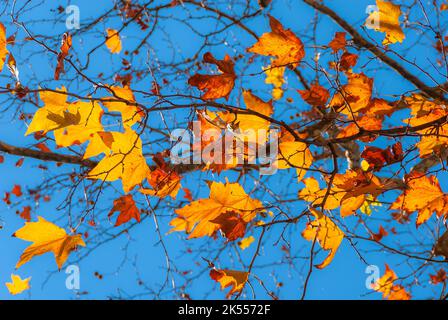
138	255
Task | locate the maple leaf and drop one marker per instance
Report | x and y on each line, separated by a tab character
339	42
47	237
236	280
3	51
294	154
198	216
348	61
163	184
53	115
424	195
380	235
315	96
388	17
17	190
283	44
353	96
123	101
231	225
386	286
326	233
377	157
125	205
84	129
439	277
18	285
63	53
215	86
124	159
113	41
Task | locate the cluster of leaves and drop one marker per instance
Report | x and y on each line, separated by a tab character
230	211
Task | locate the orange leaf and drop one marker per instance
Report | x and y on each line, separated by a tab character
231	224
127	208
199	215
281	43
377	157
215	86
316	95
423	195
163	184
3	50
230	278
388	20
63	53
339	42
386	286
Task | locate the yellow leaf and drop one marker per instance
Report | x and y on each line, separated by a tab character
386	286
228	197
54	114
246	242
326	233
113	41
388	18
89	123
47	237
125	104
3	50
294	154
18	285
283	44
275	76
124	161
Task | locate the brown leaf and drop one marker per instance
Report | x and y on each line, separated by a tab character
127	208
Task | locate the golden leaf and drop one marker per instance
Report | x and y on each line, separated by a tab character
113	41
326	233
18	285
223	198
47	237
388	18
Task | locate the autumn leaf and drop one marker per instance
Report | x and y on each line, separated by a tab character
439	277
236	280
294	154
3	51
125	205
113	41
353	96
380	234
215	86
199	215
246	242
87	125
163	184
17	190
280	43
275	76
339	42
316	95
386	286
123	101
424	195
47	237
63	53
124	160
18	285
388	18
231	224
377	157
323	230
